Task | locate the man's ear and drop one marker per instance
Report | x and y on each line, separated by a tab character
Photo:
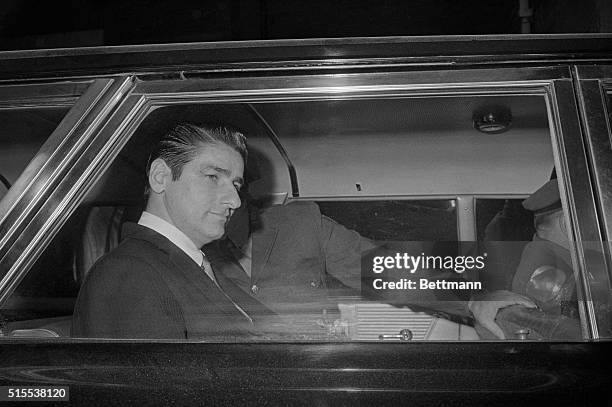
159	176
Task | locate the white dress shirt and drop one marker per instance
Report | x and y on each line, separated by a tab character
181	240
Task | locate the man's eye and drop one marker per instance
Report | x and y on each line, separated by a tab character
212	177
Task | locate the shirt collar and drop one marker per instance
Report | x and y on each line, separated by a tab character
172	233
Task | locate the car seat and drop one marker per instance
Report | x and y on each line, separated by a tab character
100	233
504	240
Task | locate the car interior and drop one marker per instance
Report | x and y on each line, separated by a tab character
412	169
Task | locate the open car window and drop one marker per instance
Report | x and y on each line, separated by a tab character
362	219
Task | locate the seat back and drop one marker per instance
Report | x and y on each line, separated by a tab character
101	233
504	240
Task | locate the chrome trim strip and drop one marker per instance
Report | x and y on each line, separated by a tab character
311	54
432	197
434	39
64	148
54	102
35	170
338	83
42	94
596	71
97	157
593	100
375	198
578	199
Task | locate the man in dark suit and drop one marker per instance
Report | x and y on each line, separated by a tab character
157	283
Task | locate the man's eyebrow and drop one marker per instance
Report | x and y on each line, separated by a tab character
225	172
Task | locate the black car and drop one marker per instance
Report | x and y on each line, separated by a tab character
427	143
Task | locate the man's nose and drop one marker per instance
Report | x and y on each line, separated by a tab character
232	198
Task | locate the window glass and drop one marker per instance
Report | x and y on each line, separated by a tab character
431	220
45	297
46	290
22	133
599	276
492	213
341	207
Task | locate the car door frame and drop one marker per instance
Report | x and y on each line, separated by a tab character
504	372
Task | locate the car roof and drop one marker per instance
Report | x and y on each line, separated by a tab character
325	53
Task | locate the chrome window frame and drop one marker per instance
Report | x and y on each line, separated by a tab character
593	86
62	94
98	143
59	94
25	96
30	207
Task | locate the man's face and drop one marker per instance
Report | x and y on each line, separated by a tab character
551	226
204	197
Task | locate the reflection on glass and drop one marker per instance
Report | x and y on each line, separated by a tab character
379	183
538	267
22	133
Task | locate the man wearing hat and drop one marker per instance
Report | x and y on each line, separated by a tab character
544	275
545	268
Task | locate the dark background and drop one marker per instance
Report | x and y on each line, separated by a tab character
29	24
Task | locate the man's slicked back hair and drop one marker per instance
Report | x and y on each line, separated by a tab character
182	144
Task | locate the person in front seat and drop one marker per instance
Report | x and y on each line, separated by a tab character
544	275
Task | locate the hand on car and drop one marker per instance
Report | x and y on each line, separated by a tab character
484	307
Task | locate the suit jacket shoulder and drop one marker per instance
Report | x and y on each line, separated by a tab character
124	296
148	288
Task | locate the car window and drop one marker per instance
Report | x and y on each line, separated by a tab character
405	220
347	204
23	132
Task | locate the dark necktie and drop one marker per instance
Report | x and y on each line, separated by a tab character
207	268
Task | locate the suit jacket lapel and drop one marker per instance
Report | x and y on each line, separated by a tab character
249	304
222	307
233	280
223	262
198	278
201	296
